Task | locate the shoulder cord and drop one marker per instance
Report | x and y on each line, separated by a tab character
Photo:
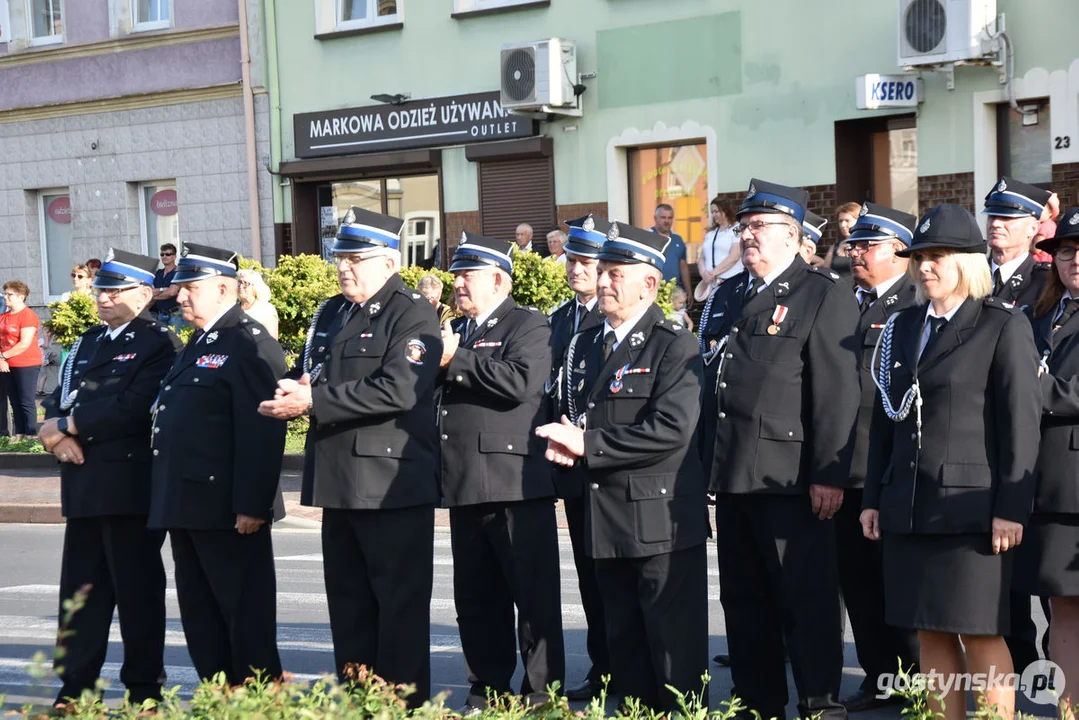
705	317
67	398
567	370
883	380
311	337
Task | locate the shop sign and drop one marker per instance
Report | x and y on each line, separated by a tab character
888	91
60	209
454	120
163	202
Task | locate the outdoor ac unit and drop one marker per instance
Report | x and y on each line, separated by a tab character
539	74
934	32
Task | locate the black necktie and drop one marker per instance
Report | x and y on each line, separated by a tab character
936	327
581	312
608	344
998	284
867	300
754	286
470	328
1071	305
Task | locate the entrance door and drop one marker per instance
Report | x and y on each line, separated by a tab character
877	160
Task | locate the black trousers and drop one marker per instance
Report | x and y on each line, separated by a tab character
596	638
1023	639
20	387
227	589
379	567
657	624
881	647
117	560
779	581
506	554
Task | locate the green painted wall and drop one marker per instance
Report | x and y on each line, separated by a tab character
770	78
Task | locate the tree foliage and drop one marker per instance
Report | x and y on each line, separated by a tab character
71	318
539	282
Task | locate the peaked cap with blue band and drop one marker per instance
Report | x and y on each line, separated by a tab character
122	270
813	226
476	252
586	235
1012	199
199	262
363	230
878	222
630	244
766	197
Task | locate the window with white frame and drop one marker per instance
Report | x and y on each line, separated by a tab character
54	215
464	6
151	14
363	13
45	21
160	216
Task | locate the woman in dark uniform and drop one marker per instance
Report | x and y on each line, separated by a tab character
952	449
1046	564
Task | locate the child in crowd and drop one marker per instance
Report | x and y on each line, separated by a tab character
678	300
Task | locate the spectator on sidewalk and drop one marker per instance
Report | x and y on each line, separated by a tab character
431	288
20	358
675	266
556	243
255	300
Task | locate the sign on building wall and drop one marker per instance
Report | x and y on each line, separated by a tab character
888	91
5	22
454	120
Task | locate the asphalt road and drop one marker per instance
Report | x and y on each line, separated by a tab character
30	571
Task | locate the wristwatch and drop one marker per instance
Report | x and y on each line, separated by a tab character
61	425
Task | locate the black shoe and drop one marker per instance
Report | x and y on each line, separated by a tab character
469	711
585	691
722	659
867	700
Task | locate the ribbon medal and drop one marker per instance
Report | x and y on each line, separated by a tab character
777	317
616	384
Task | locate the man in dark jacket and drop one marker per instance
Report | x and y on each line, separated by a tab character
496	361
371	460
630	413
97	425
216	468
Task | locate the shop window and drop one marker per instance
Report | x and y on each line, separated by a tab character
678	176
46	21
151	14
160	216
352	14
1024	144
54	211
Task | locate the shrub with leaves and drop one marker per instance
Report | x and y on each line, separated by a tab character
664	297
299	284
71	318
539	282
414	273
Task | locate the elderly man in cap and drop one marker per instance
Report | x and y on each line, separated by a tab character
630	410
781	341
812	230
367	381
1015	210
216	467
586	236
496	360
97	423
882	289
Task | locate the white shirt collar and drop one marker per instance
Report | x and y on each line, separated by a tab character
210	325
1009	268
947	316
113	334
589	306
481	319
882	289
771	277
624	329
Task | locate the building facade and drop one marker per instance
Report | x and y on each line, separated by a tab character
129	123
396	106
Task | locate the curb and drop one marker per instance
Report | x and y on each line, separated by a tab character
42	514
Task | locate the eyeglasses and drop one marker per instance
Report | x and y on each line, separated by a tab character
352	260
863	246
167	254
76	276
754	227
1065	253
110	292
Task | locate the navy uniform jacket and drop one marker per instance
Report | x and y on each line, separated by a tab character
569	482
116	383
785	402
900	296
1058	455
646	486
491	403
980	414
373	441
214	456
1025	285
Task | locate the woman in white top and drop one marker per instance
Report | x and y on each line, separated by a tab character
721	251
255	300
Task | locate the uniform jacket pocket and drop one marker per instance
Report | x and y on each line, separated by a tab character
965	475
375	445
507	443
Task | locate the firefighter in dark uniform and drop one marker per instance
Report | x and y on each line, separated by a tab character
882	288
1014	210
629	421
1045	563
953	446
216	468
371	460
586	236
496	361
97	425
782	338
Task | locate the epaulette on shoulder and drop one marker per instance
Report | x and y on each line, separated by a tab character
1042	266
823	272
253	329
409	293
998	304
671	326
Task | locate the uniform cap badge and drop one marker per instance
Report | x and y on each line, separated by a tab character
612	233
1002	186
1074	219
925	226
864	211
588	225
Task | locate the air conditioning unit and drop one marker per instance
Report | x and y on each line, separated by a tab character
935	32
539	74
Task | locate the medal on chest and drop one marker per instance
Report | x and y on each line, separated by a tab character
778	316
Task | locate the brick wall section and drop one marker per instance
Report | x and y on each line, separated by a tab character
1066	184
570	212
457	223
952	188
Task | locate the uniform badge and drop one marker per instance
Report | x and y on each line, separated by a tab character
636	339
925	226
129	335
778	316
211	338
891	300
784	286
581	366
374	308
612	233
864	210
1002	186
415	296
211	361
1074	219
752	190
366	335
580	385
589	224
255	331
1017	280
125	357
322	348
492	322
415	351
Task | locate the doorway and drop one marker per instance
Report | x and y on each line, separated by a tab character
876	159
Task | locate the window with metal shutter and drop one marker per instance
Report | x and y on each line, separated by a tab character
514	192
